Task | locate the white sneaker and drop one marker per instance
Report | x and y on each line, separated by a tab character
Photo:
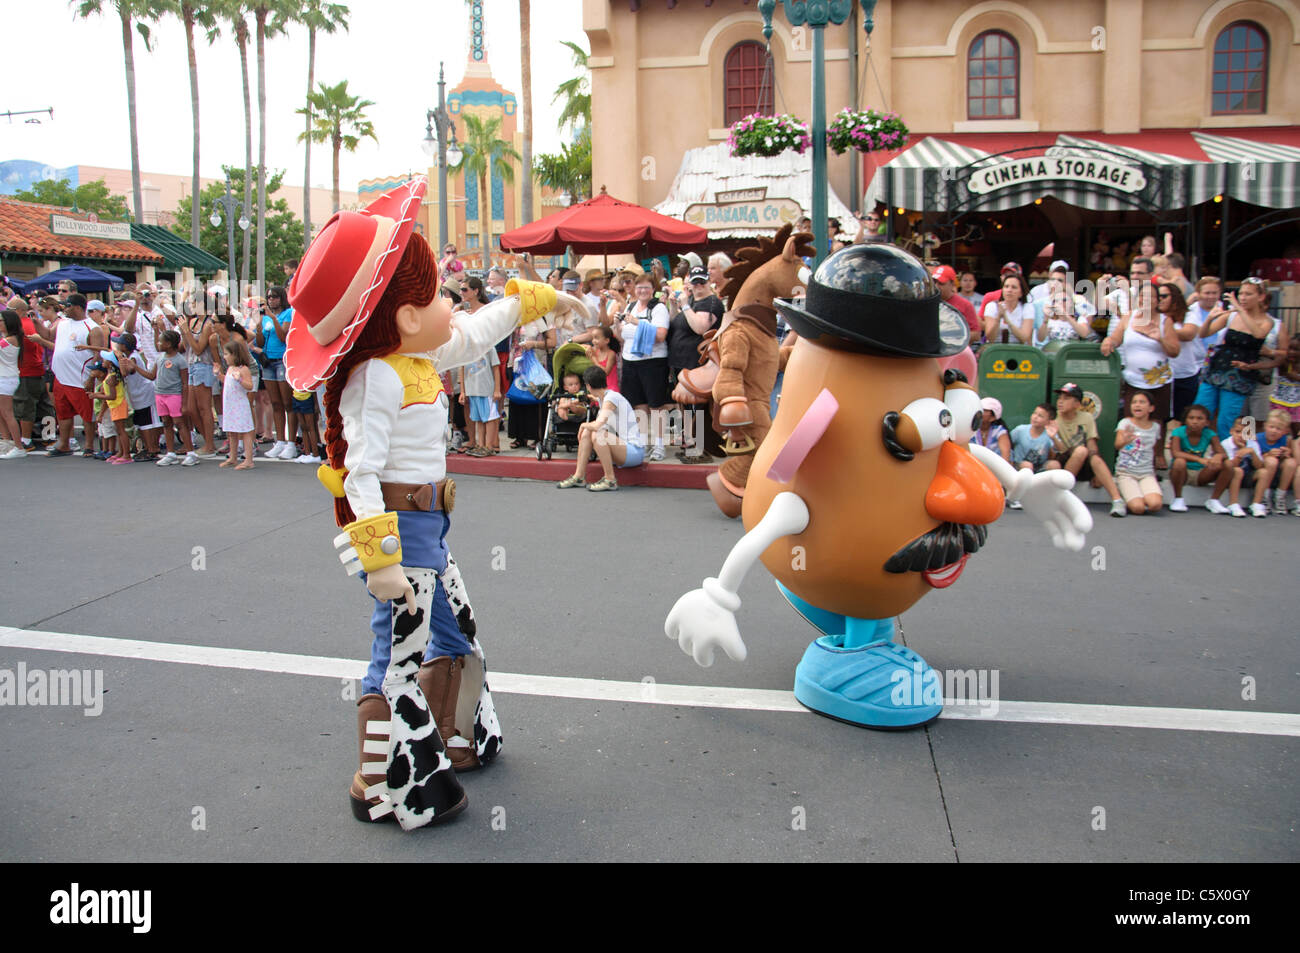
1215	507
656	453
1236	510
276	450
1118	508
14	453
191	460
1295	508
6	446
1279	502
1016	505
1179	505
168	459
1258	509
307	458
288	452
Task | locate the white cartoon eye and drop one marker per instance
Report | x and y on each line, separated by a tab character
932	421
966	411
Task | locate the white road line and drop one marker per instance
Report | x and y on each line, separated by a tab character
651	693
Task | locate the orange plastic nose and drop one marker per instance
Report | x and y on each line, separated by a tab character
963	489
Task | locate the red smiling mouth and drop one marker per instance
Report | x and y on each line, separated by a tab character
945	576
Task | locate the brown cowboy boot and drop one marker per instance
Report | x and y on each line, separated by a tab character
369	708
440	681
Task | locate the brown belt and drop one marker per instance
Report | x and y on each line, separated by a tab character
420	496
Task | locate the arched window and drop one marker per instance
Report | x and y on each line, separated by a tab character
993	77
743	78
1240	70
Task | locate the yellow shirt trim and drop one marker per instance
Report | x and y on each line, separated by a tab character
421	383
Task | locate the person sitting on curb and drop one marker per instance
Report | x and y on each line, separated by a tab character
1198	458
1074	440
614	436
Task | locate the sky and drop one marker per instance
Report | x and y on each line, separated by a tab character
390	56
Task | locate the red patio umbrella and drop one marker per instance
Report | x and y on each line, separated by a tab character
604	225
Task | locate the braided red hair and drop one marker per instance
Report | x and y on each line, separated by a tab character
414	282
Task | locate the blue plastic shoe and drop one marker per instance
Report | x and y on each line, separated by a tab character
881	685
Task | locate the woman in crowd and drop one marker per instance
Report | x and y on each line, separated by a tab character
992	433
1066	316
12	343
525	423
1228	382
645	359
1146	339
1010	313
272	333
1272	356
199	339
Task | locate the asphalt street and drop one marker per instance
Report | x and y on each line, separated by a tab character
1171	612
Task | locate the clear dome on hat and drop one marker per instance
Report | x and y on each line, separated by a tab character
882	271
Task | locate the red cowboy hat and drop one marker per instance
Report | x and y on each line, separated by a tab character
342	277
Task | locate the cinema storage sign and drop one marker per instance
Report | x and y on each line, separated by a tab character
1012	172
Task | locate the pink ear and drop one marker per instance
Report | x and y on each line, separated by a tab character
964	362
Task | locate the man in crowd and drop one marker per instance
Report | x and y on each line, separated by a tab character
1074	444
1118	300
945	276
76	339
870	233
496	282
32	404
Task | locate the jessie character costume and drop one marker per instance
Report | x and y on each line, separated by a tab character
370	325
866	494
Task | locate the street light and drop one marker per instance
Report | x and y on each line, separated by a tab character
229	204
817	15
447	153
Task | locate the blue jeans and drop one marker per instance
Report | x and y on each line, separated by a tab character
1226	404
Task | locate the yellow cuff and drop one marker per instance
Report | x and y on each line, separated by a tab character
376	541
536	297
332	479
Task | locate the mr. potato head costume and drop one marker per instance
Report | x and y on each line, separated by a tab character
867	492
370	325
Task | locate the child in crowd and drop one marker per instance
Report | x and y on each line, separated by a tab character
577	402
1198	458
171	377
602	353
304	406
992	433
1286	392
13	342
1136	439
1276	451
1031	446
235	409
614	435
1074	441
139	390
480	388
110	389
1240	460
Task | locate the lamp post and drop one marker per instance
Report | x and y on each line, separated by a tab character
229	204
447	153
817	14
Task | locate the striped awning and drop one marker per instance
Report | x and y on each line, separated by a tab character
932	175
1261	173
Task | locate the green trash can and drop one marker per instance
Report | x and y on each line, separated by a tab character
1016	374
1082	363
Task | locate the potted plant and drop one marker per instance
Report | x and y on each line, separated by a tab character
866	130
758	135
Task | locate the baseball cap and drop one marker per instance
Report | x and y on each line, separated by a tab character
1071	390
126	302
698	276
1059	265
944	273
570	284
993	404
109	356
95	305
1012	268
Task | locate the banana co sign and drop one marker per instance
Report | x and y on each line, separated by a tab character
1012	172
763	213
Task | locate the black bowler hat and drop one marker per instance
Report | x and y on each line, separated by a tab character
877	298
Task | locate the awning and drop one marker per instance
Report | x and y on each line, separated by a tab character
709	173
1176	169
177	252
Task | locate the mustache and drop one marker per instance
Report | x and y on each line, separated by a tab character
942	546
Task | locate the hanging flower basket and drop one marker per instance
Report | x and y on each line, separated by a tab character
758	135
866	130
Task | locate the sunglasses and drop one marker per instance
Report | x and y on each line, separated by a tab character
1252	280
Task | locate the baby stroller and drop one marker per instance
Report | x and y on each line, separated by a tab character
569	358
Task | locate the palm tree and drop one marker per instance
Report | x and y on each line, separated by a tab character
266	27
316	16
235	12
338	118
575	92
484	152
204	16
526	70
141	13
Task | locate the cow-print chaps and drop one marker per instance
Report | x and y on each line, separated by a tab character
478	711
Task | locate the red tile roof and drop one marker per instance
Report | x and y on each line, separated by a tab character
25	230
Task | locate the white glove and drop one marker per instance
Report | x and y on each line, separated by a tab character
391	585
705	619
1047	498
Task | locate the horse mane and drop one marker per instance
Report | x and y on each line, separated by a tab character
750	258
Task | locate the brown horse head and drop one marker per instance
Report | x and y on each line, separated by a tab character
771	270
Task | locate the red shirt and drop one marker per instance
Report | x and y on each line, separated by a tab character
968	312
33	360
